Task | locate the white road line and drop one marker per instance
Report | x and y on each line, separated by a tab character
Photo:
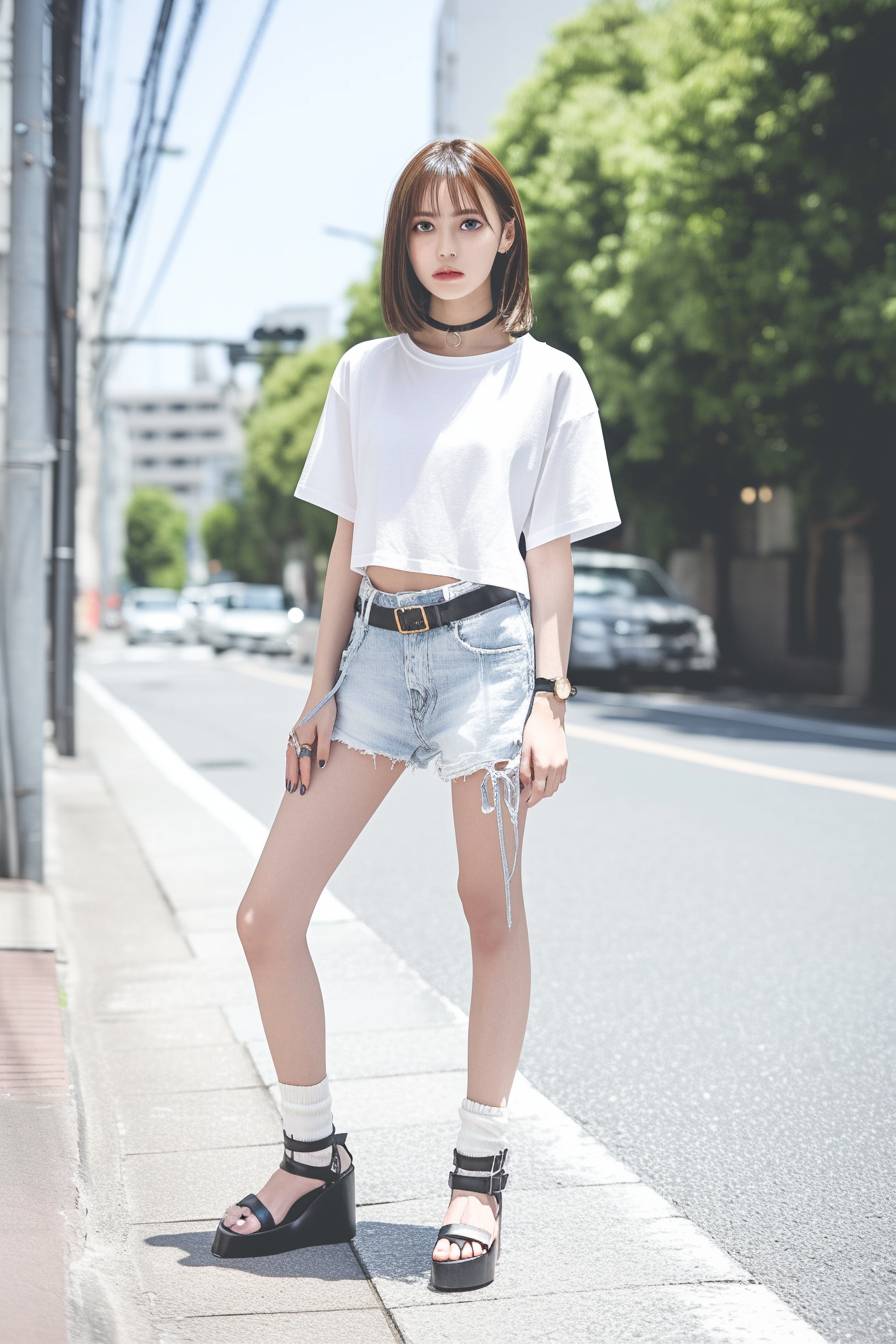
784	774
692	755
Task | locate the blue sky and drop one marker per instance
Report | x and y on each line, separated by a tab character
339	98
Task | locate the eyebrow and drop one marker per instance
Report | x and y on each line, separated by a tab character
430	214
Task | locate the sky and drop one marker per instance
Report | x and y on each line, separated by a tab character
339	97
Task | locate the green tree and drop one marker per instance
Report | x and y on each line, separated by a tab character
222	532
156	539
279	430
716	218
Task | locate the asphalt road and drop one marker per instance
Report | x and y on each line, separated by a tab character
713	918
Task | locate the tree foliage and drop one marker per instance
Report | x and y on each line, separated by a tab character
711	204
155	539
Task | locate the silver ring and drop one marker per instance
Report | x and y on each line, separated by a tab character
298	748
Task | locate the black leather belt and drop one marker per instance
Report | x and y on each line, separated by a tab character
414	619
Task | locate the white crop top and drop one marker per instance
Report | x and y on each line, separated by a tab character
441	461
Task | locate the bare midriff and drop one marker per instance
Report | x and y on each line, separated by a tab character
401	580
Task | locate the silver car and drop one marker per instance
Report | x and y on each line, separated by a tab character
628	617
253	617
149	614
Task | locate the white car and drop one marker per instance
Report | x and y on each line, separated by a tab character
150	614
253	617
628	617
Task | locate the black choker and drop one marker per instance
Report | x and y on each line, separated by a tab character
455	328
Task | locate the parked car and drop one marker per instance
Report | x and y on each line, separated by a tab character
250	616
628	617
149	614
193	598
210	610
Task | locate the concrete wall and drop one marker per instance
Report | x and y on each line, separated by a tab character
760	596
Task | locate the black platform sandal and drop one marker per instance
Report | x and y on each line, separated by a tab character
476	1271
323	1215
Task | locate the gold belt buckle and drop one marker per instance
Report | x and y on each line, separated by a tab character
414	629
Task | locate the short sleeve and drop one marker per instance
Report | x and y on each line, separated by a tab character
574	492
328	476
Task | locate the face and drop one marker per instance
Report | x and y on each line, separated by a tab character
464	244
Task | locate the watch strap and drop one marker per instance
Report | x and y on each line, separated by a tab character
550	684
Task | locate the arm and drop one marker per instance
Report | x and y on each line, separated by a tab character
341	586
544	755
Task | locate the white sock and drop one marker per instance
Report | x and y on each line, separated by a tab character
483	1130
307	1113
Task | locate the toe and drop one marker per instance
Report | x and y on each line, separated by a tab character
440	1250
467	1251
247	1222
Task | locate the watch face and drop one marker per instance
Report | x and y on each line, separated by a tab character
562	688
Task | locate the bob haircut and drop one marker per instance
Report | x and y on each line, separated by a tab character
465	165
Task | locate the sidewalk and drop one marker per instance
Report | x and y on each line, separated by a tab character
178	1116
38	1121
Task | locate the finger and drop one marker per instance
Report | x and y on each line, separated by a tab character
322	754
539	783
526	773
305	768
291	780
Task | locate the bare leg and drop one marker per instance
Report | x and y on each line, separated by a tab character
309	838
499	1003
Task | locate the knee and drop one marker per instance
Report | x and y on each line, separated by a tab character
263	935
483	907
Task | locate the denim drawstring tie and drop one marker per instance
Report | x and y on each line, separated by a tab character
509	776
365	613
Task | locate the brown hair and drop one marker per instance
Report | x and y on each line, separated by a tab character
463	164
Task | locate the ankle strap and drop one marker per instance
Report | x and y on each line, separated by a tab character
312	1145
489	1184
314	1172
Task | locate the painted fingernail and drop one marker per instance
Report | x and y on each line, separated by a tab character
302	789
321	764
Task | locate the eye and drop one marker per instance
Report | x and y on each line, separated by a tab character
428	223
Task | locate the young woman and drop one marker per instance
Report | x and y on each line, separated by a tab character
440	448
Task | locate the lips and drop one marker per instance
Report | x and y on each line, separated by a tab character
440	275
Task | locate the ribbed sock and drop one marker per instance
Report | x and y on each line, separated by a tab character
483	1130
307	1113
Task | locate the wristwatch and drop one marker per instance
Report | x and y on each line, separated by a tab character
562	687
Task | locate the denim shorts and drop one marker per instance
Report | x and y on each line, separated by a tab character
457	695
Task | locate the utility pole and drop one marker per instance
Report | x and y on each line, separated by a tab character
23	593
67	114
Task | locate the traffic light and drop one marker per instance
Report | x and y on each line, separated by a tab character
280	335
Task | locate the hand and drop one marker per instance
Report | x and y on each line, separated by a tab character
298	772
544	757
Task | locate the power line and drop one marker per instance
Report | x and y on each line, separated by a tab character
148	157
143	117
204	168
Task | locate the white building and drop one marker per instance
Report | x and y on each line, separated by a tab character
483	52
186	440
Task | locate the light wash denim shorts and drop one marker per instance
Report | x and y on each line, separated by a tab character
457	695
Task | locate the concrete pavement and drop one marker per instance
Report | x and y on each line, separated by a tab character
178	1115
